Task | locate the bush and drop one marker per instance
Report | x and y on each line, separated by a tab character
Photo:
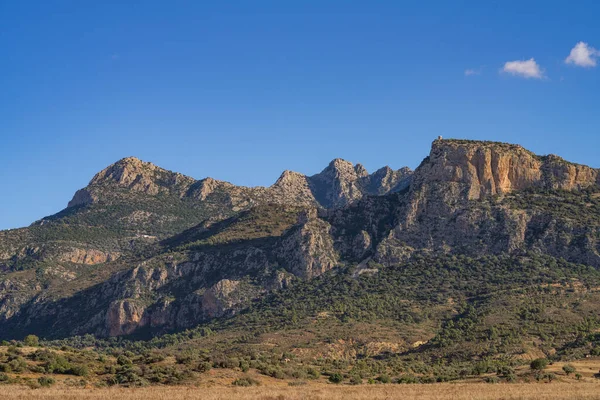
569	369
336	378
313	373
18	365
384	379
79	370
204	366
539	364
46	381
245	366
31	340
246	381
355	380
57	364
124	360
492	379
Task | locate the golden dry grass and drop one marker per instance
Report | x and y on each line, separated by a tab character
460	391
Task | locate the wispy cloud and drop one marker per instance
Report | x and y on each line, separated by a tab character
583	55
472	71
525	69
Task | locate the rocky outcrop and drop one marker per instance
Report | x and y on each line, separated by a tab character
124	317
134	175
458	202
308	250
88	256
337	185
479	169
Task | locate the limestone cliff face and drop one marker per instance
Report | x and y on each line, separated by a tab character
124	317
308	250
87	256
480	169
459	200
458	171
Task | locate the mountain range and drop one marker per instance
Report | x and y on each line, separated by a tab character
486	249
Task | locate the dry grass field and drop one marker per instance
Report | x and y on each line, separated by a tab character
458	391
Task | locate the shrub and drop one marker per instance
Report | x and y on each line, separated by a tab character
124	360
384	379
539	364
313	373
31	340
246	381
46	381
204	366
79	370
355	380
336	378
245	366
569	369
18	364
57	364
492	379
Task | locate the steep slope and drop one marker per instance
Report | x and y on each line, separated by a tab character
127	208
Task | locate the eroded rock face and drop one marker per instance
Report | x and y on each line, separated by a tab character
88	256
308	250
483	169
124	317
455	203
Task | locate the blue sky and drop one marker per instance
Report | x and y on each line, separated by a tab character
242	90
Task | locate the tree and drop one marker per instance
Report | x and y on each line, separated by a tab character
539	364
569	369
31	340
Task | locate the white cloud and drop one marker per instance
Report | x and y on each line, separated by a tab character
471	72
526	69
583	55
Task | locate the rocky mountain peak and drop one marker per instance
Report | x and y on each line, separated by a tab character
289	177
340	169
360	171
340	183
133	174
